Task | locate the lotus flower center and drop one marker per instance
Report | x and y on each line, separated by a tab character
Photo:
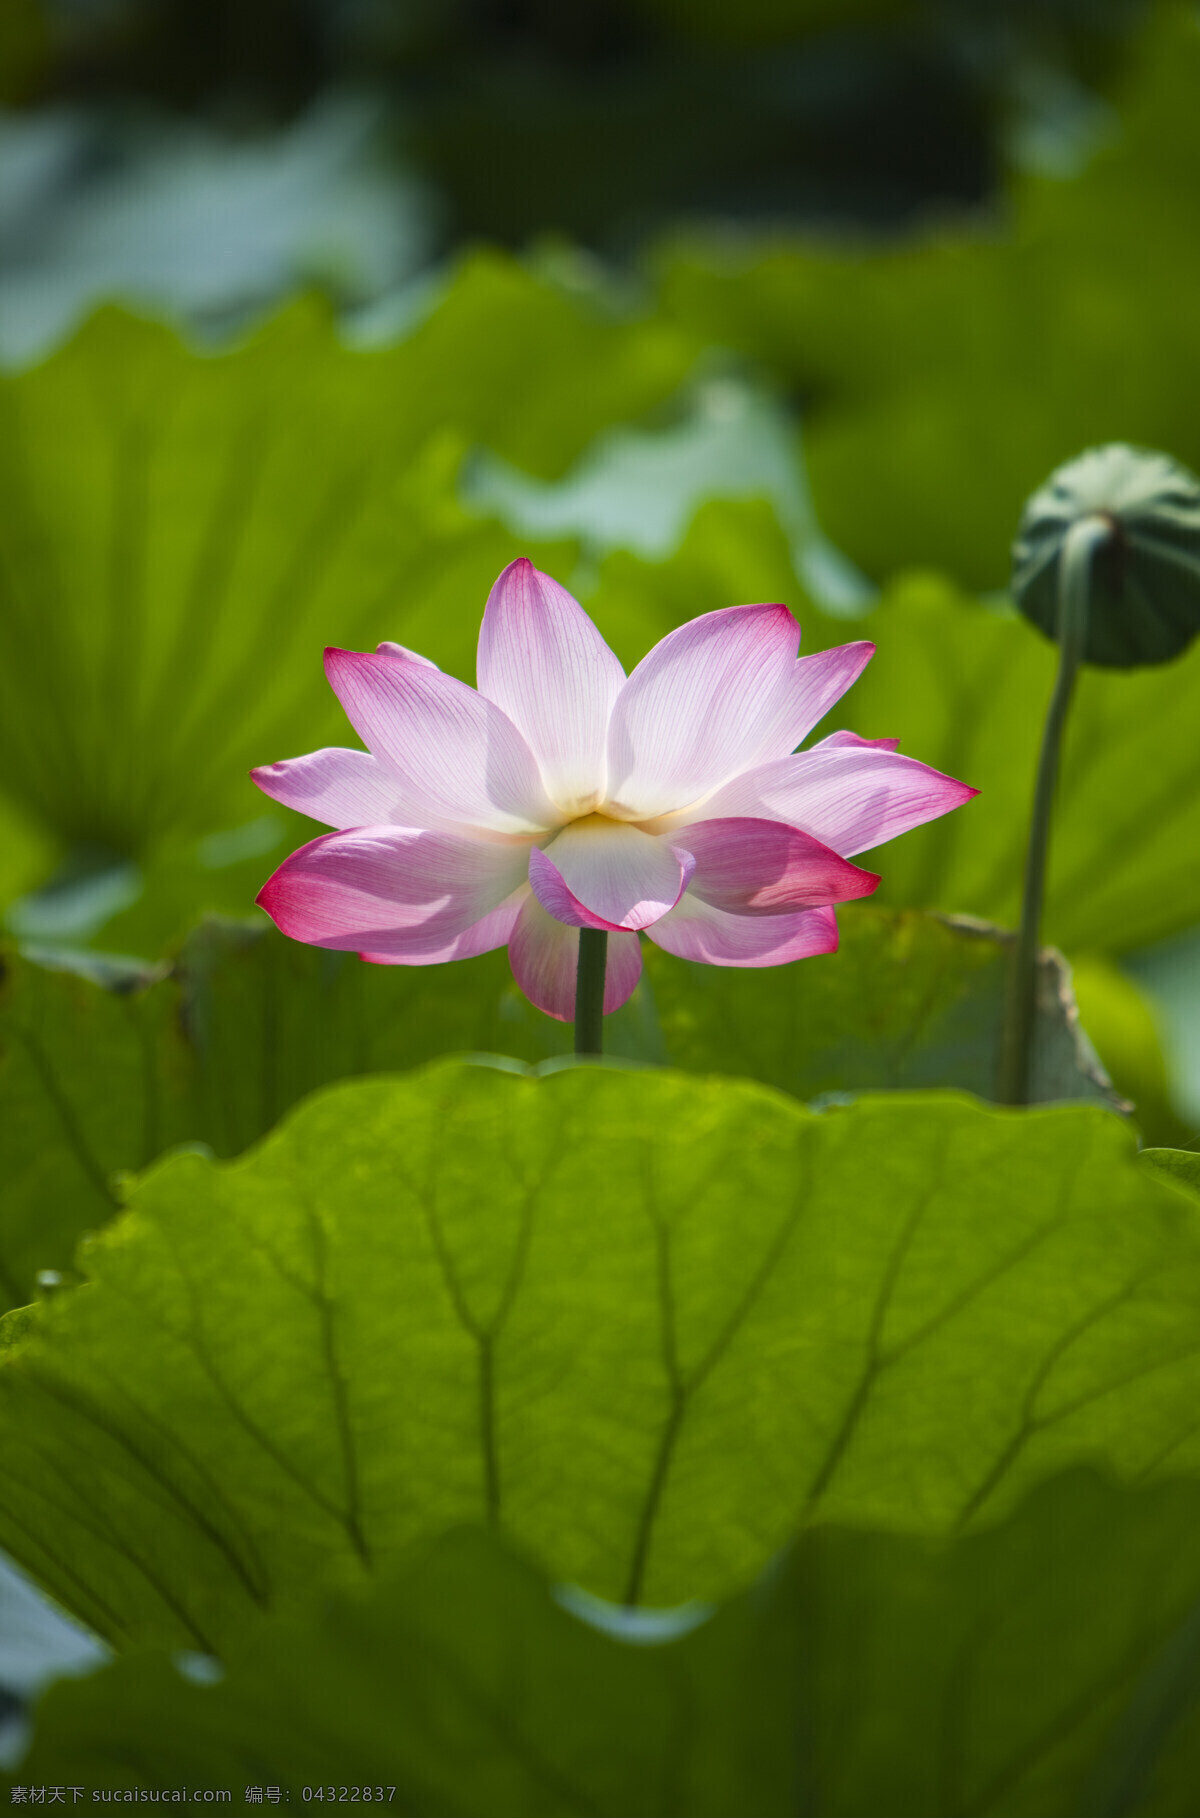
594	822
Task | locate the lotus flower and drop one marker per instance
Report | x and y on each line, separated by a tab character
563	794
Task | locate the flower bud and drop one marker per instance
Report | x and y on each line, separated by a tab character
1144	588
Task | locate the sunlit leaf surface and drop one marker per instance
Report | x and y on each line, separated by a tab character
645	1322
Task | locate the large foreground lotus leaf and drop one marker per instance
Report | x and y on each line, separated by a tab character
1031	1670
947	377
645	1322
183	533
460	1685
104	1065
1045	1668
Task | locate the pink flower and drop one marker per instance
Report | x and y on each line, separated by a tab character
564	795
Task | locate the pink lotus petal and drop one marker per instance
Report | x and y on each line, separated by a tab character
461	762
387	648
838	739
697	931
817	683
490	931
561	796
544	663
598	873
544	955
753	867
850	797
343	788
696	705
391	889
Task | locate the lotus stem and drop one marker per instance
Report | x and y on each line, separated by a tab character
589	991
1082	540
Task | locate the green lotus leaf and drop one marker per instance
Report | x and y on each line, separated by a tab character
183	532
966	690
1180	1166
965	687
421	1302
910	1000
1046	1666
944	377
104	1064
459	1685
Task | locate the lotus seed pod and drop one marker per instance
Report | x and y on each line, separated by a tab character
1144	596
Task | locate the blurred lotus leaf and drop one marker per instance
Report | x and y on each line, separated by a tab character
964	687
1017	1672
204	227
25	45
183	533
943	376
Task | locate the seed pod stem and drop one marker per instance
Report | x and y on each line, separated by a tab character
1083	538
589	991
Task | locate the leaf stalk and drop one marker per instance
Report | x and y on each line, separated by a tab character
1083	538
